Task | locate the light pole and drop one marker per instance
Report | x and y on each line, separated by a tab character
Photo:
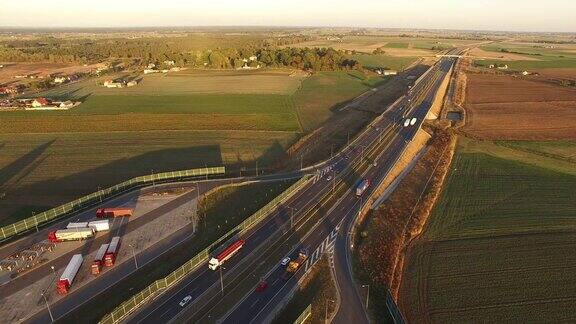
291	216
326	310
367	294
134	255
221	279
47	306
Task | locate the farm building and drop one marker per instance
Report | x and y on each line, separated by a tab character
40	102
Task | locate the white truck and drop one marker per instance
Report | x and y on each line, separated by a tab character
100	225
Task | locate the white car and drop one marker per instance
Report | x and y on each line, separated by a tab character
185	301
285	261
329	178
407	122
413	121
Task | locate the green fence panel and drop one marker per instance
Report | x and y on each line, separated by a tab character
16	228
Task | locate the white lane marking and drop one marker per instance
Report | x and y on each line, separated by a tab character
254	303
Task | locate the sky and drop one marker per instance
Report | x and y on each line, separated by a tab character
503	15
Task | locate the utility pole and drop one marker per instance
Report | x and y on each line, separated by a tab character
134	255
256	167
221	280
367	294
43	293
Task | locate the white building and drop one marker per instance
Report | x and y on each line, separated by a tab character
60	79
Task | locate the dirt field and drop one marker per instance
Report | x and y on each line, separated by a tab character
503	107
10	70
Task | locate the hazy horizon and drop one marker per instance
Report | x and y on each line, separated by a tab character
486	15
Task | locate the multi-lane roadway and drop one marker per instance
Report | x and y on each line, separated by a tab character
204	285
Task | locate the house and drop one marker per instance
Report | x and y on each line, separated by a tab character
148	71
253	58
132	83
390	72
60	79
169	63
66	104
525	73
40	102
151	65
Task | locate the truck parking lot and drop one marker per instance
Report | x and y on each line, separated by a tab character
157	214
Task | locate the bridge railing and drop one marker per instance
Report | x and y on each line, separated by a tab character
38	220
128	306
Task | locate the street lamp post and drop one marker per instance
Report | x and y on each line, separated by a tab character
221	280
134	255
367	294
43	293
326	311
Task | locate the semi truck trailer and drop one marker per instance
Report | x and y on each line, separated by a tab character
295	265
77	225
228	252
99	260
70	234
112	252
113	212
100	225
63	285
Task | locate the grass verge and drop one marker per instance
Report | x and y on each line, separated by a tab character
318	290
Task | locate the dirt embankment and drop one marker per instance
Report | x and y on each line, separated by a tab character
388	230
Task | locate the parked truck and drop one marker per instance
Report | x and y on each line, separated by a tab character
99	260
228	252
100	225
113	212
70	234
112	252
77	225
362	186
295	265
63	285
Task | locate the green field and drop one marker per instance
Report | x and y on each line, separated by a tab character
543	58
324	92
383	61
498	245
396	45
50	157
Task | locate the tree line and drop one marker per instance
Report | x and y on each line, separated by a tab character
213	51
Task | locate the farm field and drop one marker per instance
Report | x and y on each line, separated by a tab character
532	57
498	245
50	157
10	70
392	45
503	107
325	92
383	61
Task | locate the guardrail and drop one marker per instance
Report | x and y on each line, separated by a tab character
304	316
53	214
147	293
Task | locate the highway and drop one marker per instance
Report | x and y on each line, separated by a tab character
203	285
